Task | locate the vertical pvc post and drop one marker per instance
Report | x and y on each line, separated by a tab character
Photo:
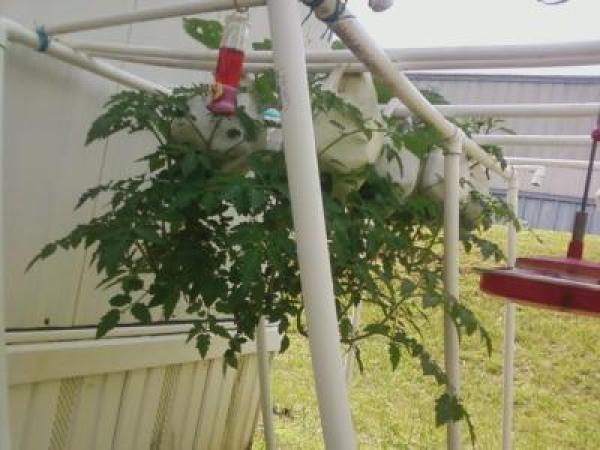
4	418
265	384
451	271
510	322
309	224
350	357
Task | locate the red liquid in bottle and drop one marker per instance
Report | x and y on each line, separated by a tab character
229	66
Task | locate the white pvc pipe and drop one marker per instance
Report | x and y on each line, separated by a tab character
350	356
208	66
451	273
532	139
584	53
264	377
309	225
4	417
18	33
196	7
512	110
166	57
510	324
562	163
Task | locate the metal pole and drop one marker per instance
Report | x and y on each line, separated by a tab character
451	272
4	418
510	323
265	384
590	170
309	225
197	7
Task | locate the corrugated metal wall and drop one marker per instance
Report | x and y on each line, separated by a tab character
552	205
552	212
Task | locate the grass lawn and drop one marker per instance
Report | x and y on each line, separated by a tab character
557	379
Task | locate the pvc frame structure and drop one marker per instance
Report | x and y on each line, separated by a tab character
364	54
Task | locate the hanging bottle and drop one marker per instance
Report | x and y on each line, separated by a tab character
229	64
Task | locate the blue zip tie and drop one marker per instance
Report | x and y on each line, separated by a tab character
312	4
43	38
340	7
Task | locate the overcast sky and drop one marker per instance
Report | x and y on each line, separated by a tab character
436	23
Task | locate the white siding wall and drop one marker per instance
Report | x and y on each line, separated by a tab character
160	395
49	107
130	393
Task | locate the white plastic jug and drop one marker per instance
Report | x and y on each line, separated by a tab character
356	151
432	182
480	183
230	136
401	166
473	177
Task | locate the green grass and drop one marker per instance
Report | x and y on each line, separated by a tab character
557	401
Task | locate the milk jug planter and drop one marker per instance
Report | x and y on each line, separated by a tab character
356	150
224	134
401	166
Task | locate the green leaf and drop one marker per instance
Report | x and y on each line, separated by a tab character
264	90
147	233
48	250
132	283
208	32
249	125
189	163
120	300
285	343
338	45
432	299
447	409
203	344
140	312
257	199
394	352
230	359
169	304
384	93
377	328
266	44
407	288
108	322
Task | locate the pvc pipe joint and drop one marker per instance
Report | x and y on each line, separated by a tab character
455	142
